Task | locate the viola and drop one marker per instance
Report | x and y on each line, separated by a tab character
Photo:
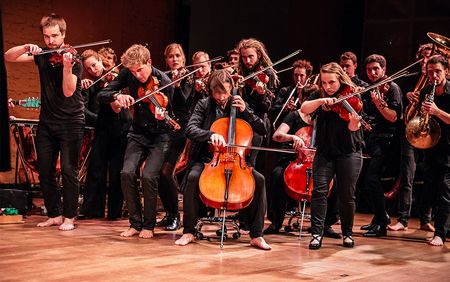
227	182
57	58
352	104
156	100
298	175
107	79
260	77
200	84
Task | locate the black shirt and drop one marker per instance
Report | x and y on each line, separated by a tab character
333	136
144	122
380	125
295	122
205	114
91	104
442	102
55	107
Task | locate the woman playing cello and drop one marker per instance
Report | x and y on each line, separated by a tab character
285	133
208	110
338	152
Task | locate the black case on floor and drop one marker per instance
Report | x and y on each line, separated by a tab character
22	200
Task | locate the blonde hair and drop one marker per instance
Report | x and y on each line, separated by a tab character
89	53
199	54
261	52
172	46
135	55
336	69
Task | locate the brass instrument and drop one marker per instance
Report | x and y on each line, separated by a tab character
443	44
423	131
412	109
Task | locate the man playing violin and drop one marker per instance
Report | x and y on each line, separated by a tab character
148	138
108	147
200	60
253	57
109	58
339	144
208	110
301	71
384	109
61	121
184	101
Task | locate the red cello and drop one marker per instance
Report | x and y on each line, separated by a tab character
227	182
298	175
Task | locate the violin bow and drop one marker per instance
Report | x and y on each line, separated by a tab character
103	76
197	64
397	75
272	65
165	86
107	41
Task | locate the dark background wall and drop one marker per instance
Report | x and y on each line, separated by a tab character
322	29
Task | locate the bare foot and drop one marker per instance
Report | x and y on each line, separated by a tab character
68	224
244	232
397	227
436	241
427	227
146	234
129	233
259	242
51	221
185	239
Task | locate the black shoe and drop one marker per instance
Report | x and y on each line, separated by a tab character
369	226
330	233
376	231
164	221
348	242
271	229
173	223
316	242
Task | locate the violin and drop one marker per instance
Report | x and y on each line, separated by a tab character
260	77
200	84
156	100
382	89
57	58
352	104
227	182
107	79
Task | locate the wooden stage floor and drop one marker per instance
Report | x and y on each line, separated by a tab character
94	251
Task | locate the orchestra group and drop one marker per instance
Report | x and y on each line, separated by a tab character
209	121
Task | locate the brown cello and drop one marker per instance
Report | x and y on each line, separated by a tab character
298	174
227	182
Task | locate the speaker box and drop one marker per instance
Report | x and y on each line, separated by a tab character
22	200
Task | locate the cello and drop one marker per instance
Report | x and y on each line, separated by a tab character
227	182
298	174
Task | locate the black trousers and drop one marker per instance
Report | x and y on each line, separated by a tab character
53	140
347	169
437	185
379	148
408	160
254	213
107	154
168	184
154	150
